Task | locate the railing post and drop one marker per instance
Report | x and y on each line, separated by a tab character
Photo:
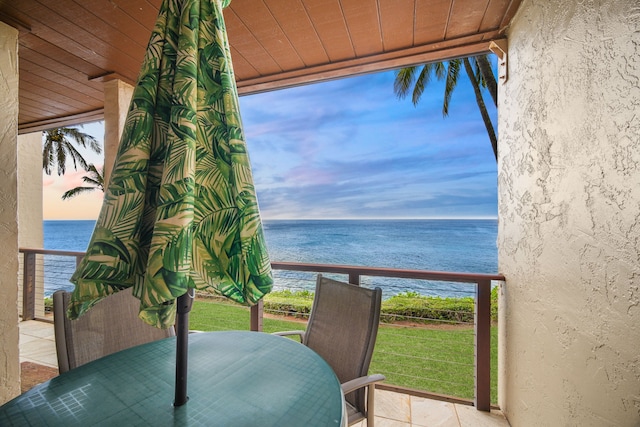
29	286
354	278
257	312
482	399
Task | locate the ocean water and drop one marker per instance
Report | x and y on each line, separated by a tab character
445	245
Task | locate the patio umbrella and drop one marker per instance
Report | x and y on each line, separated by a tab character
180	211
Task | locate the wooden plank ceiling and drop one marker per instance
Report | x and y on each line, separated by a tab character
69	48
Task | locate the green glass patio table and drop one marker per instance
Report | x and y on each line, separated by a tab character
236	378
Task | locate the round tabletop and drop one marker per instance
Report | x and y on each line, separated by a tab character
235	378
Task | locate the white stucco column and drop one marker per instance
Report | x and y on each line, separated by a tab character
9	333
30	232
117	97
569	215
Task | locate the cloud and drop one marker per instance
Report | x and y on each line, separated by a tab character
48	181
350	149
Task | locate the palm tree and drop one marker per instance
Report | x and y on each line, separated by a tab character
479	71
58	148
95	179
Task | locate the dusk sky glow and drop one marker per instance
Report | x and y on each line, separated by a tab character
349	149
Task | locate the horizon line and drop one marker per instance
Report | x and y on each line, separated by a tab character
333	219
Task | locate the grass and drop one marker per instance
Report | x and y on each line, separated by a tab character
437	359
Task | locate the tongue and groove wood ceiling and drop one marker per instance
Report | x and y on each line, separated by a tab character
69	48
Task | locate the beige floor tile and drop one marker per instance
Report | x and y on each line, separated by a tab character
42	351
433	413
50	360
470	417
385	422
28	338
35	328
393	406
37	347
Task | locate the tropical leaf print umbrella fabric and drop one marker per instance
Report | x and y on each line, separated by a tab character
180	210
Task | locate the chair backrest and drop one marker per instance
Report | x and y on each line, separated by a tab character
109	326
342	328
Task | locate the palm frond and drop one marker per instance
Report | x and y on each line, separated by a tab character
58	148
404	80
95	179
485	71
476	71
75	156
421	83
453	71
84	139
76	192
439	69
95	183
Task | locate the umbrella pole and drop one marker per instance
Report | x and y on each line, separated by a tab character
184	302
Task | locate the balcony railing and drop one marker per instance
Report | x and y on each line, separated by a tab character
36	264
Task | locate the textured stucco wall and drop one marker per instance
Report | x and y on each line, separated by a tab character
569	215
9	333
30	233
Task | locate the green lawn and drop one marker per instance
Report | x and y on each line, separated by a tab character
424	358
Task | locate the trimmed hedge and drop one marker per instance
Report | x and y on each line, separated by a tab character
413	307
409	306
406	306
295	304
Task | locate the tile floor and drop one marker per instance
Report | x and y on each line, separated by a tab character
37	345
402	410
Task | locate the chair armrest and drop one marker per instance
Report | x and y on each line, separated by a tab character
290	333
361	382
59	316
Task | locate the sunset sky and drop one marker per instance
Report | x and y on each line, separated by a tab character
348	149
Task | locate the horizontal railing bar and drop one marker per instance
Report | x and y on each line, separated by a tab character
51	252
387	272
